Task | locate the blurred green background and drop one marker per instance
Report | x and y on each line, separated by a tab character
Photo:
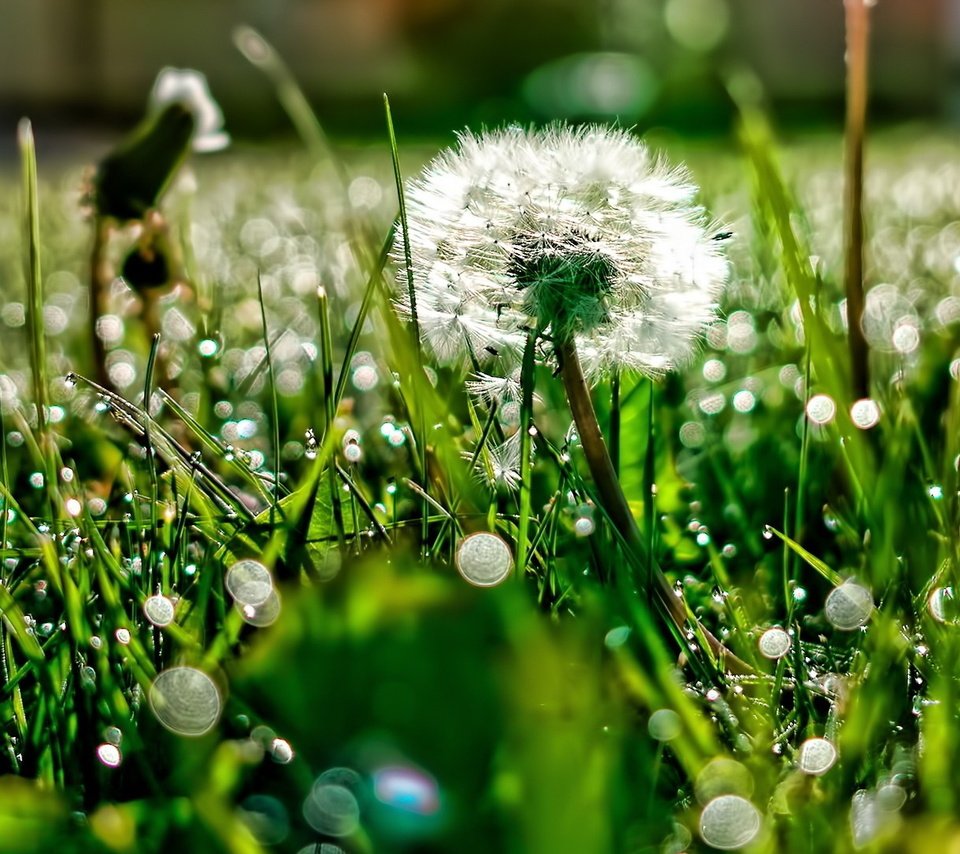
446	63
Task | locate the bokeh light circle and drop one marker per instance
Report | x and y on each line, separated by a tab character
186	701
484	559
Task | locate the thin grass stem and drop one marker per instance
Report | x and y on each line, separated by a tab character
857	56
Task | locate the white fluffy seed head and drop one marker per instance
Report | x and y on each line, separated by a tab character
580	232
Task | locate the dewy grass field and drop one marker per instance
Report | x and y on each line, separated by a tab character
275	577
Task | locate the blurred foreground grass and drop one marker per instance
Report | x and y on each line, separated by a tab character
386	705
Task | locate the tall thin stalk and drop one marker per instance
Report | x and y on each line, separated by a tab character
99	297
857	54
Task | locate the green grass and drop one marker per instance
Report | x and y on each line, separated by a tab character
521	717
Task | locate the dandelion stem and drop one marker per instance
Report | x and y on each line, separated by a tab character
615	502
858	31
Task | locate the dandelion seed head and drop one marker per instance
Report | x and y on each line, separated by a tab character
584	231
189	88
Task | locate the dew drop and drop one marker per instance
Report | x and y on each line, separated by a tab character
848	606
262	615
729	822
774	643
249	582
208	347
331	809
185	700
816	756
280	751
664	725
109	754
865	413
584	526
821	409
159	610
943	606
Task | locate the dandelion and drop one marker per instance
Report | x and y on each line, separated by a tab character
128	185
189	89
499	466
582	232
575	245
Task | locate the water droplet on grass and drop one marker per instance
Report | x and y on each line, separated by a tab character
262	615
280	751
331	809
865	413
816	756
185	700
664	725
159	610
584	526
484	559
821	409
943	606
848	606
249	582
109	755
774	643
729	822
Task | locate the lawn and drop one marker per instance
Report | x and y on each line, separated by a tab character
270	583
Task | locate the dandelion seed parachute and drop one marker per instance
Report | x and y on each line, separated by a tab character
582	232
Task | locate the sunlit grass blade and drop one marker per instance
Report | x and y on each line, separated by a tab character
34	280
261	54
812	560
857	53
412	296
274	407
527	380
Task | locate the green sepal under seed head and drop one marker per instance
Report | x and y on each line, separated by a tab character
131	179
565	290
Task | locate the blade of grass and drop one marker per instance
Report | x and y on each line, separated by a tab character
414	321
151	459
812	560
274	407
34	279
330	402
857	55
527	380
